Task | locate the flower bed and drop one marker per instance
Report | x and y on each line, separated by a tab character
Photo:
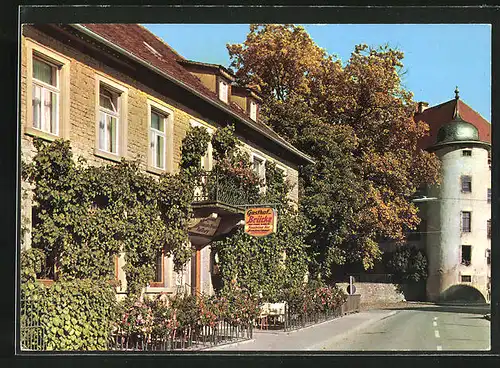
185	322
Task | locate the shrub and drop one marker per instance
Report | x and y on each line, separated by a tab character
408	264
76	315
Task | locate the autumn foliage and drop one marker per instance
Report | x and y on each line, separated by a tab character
356	119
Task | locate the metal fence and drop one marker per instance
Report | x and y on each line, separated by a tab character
214	187
32	332
295	320
197	338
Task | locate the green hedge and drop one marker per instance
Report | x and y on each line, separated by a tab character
75	315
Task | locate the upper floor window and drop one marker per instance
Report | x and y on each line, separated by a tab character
109	118
467	153
259	166
466	255
466	183
47	92
223	90
158	139
488	229
489	195
466	222
488	256
253	110
206	160
45	96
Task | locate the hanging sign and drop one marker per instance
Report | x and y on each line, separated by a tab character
260	221
204	226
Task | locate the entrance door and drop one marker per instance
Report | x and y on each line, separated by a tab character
196	272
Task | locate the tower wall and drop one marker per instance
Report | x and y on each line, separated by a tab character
444	223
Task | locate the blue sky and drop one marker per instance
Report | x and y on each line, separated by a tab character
437	56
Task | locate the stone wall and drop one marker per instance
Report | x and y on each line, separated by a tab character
372	292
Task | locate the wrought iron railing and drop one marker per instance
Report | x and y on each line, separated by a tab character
294	320
215	187
32	332
200	337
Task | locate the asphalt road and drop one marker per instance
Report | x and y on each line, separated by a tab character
425	327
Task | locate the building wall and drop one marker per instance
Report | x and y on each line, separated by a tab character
445	238
83	73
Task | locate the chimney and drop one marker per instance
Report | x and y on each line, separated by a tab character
422	106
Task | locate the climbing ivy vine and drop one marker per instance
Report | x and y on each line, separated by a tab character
87	215
271	264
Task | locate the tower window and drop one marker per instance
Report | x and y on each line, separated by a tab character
488	195
466	183
467	153
488	256
466	222
466	255
488	228
466	278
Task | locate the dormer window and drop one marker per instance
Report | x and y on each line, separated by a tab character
253	110
223	90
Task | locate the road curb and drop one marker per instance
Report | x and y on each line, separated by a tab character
344	334
220	347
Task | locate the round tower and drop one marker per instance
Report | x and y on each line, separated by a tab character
457	241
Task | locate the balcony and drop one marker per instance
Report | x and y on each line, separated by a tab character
218	206
223	192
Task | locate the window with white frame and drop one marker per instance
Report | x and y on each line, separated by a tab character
253	110
158	139
259	166
206	160
109	119
45	96
223	90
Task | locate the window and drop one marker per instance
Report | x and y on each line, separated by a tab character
206	161
466	278
47	92
223	90
488	195
253	110
488	229
158	140
467	153
45	96
109	118
466	255
466	222
466	183
159	271
259	166
488	256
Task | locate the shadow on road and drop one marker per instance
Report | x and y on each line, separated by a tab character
480	309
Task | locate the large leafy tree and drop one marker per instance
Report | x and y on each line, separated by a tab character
357	120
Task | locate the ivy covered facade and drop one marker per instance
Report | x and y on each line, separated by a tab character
115	97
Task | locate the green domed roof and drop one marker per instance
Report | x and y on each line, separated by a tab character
457	130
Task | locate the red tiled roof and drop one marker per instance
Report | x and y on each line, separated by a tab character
135	39
439	115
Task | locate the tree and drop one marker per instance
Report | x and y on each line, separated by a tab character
357	121
408	264
277	59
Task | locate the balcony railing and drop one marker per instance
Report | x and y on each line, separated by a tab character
213	187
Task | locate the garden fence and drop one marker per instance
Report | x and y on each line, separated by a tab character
200	337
